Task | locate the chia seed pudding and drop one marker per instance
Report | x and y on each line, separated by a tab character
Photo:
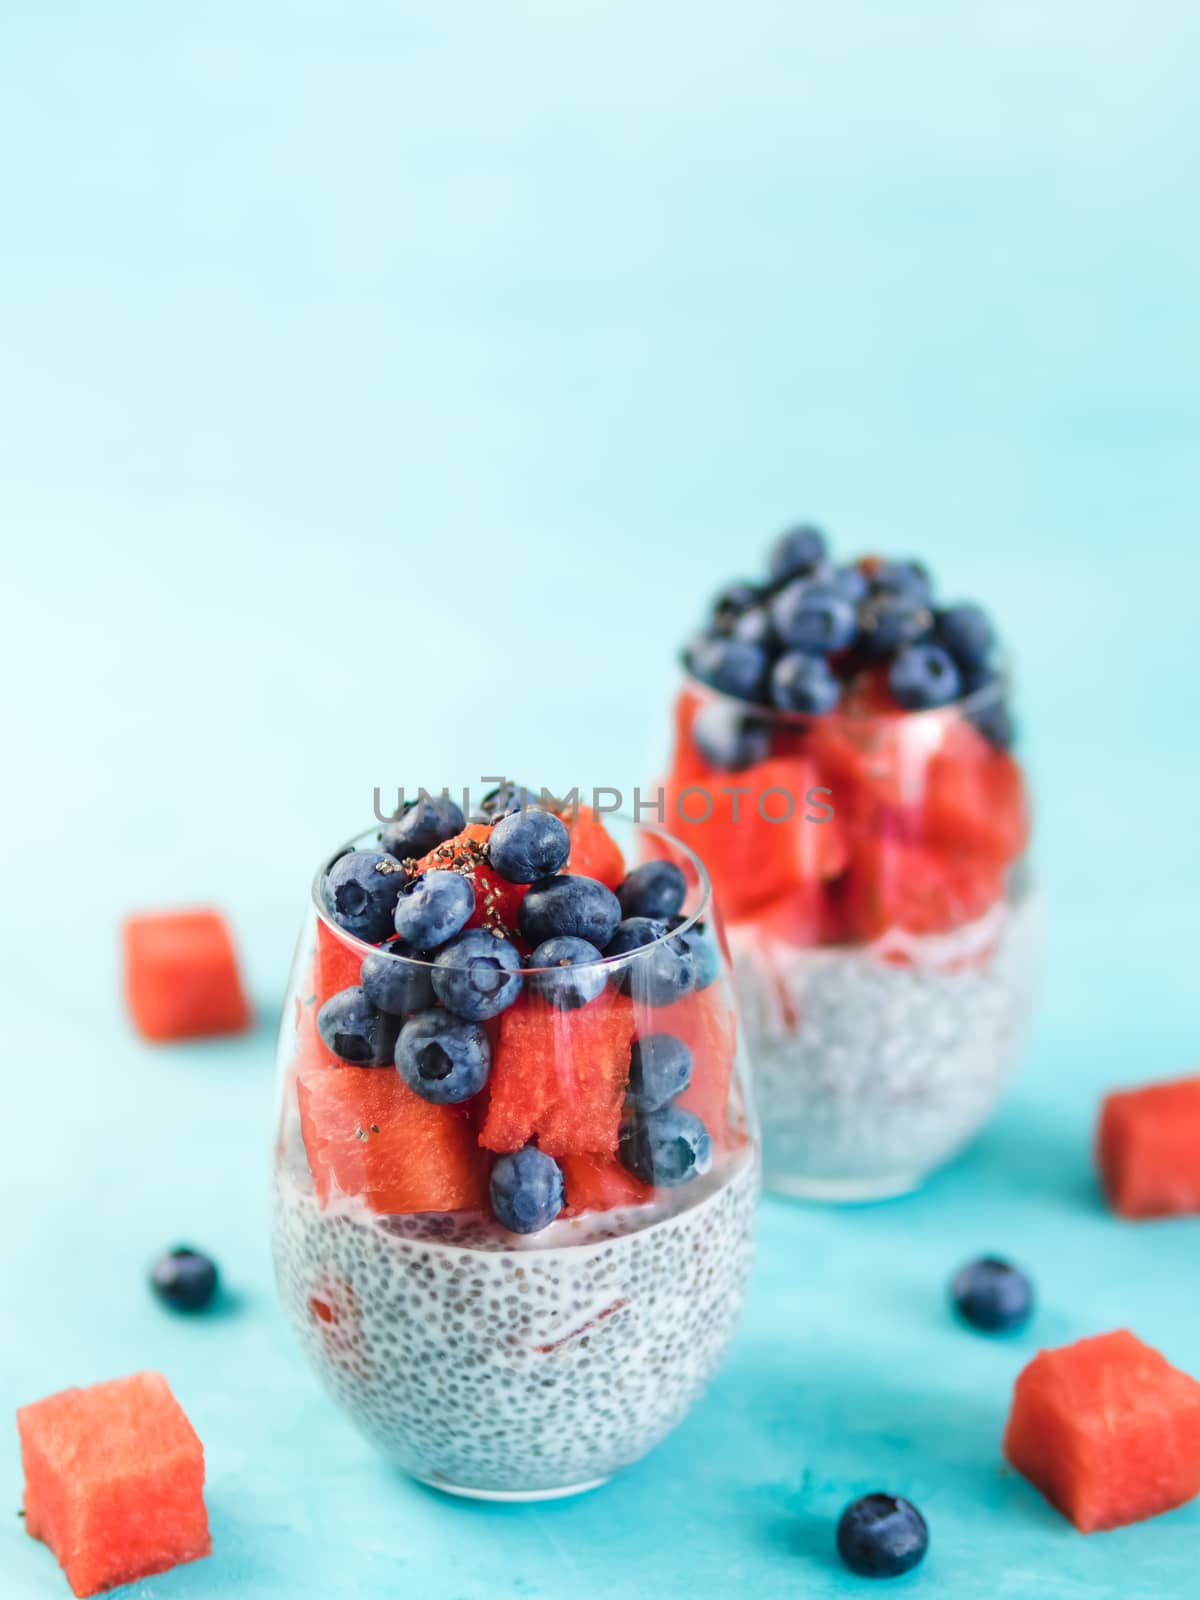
516	1170
843	763
879	1063
517	1372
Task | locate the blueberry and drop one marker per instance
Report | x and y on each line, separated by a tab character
881	1536
569	906
664	973
797	551
655	889
966	633
360	893
395	985
527	1190
733	666
801	682
992	1295
907	578
814	617
922	676
728	739
755	627
434	907
666	1148
730	603
355	1030
995	722
477	975
706	958
570	980
442	1058
660	1067
424	822
850	583
184	1279
886	622
502	802
527	845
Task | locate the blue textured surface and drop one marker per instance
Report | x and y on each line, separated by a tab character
349	358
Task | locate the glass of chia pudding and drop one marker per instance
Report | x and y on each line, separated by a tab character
843	762
516	1167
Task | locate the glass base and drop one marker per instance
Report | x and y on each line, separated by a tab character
513	1496
841	1191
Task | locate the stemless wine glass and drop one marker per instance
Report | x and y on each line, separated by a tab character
507	1365
871	867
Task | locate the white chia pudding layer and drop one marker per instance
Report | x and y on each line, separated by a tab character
495	1365
874	1064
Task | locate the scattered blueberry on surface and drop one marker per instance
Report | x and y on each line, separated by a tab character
796	552
801	682
887	622
923	676
571	978
434	907
442	1058
355	1030
423	823
881	1536
655	889
966	632
660	1067
992	1295
526	845
814	617
569	906
728	739
526	1190
477	975
184	1279
666	1148
360	893
395	985
732	666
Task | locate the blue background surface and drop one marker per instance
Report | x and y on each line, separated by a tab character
382	391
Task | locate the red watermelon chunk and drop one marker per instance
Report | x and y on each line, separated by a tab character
114	1481
594	851
1107	1429
559	1076
339	961
902	886
1148	1147
181	975
975	798
598	1183
368	1135
707	1023
497	902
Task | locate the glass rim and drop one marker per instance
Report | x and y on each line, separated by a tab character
703	908
995	689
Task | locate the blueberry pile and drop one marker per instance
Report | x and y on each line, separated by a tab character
801	640
424	1014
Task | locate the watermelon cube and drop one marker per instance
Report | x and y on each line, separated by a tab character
1148	1148
598	1183
594	851
181	975
1107	1429
367	1135
114	1480
560	1076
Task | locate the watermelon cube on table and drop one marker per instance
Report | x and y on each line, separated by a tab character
1107	1429
114	1480
181	975
1148	1149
